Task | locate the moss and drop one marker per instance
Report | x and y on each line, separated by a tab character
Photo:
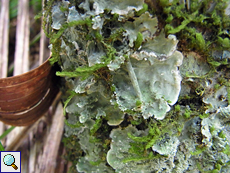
177	108
227	150
71	154
139	139
190	23
199	167
113	88
71	74
106	143
71	95
77	125
137	148
63	9
187	113
180	128
200	41
139	40
171	30
47	15
187	24
93	139
212	129
221	134
98	36
143	10
202	116
138	103
82	72
224	42
199	150
218	166
95	163
215	171
88	22
96	126
38	16
222	80
56	36
164	3
156	132
130	111
116	35
115	17
110	54
200	90
55	52
213	62
217	86
169	19
116	105
136	122
228	95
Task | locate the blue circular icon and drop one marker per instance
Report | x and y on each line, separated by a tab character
8	159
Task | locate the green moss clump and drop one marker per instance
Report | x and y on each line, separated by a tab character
143	10
212	129
71	143
136	122
199	150
202	116
156	133
47	23
200	40
228	95
227	150
138	103
221	134
215	171
113	88
116	35
187	113
71	95
63	9
96	126
177	108
190	23
217	86
77	125
137	148
139	40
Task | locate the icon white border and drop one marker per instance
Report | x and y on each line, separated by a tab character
9	169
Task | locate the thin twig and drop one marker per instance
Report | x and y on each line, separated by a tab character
21	58
47	163
4	37
4	43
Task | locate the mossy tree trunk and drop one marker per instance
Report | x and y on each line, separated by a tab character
146	84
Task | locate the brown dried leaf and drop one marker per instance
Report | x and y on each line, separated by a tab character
25	98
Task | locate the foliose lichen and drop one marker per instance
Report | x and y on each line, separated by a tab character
120	61
134	102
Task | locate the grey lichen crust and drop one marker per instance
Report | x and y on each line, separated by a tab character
143	67
124	77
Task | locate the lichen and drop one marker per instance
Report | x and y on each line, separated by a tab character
133	102
121	158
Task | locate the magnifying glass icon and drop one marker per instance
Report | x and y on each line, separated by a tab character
9	160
